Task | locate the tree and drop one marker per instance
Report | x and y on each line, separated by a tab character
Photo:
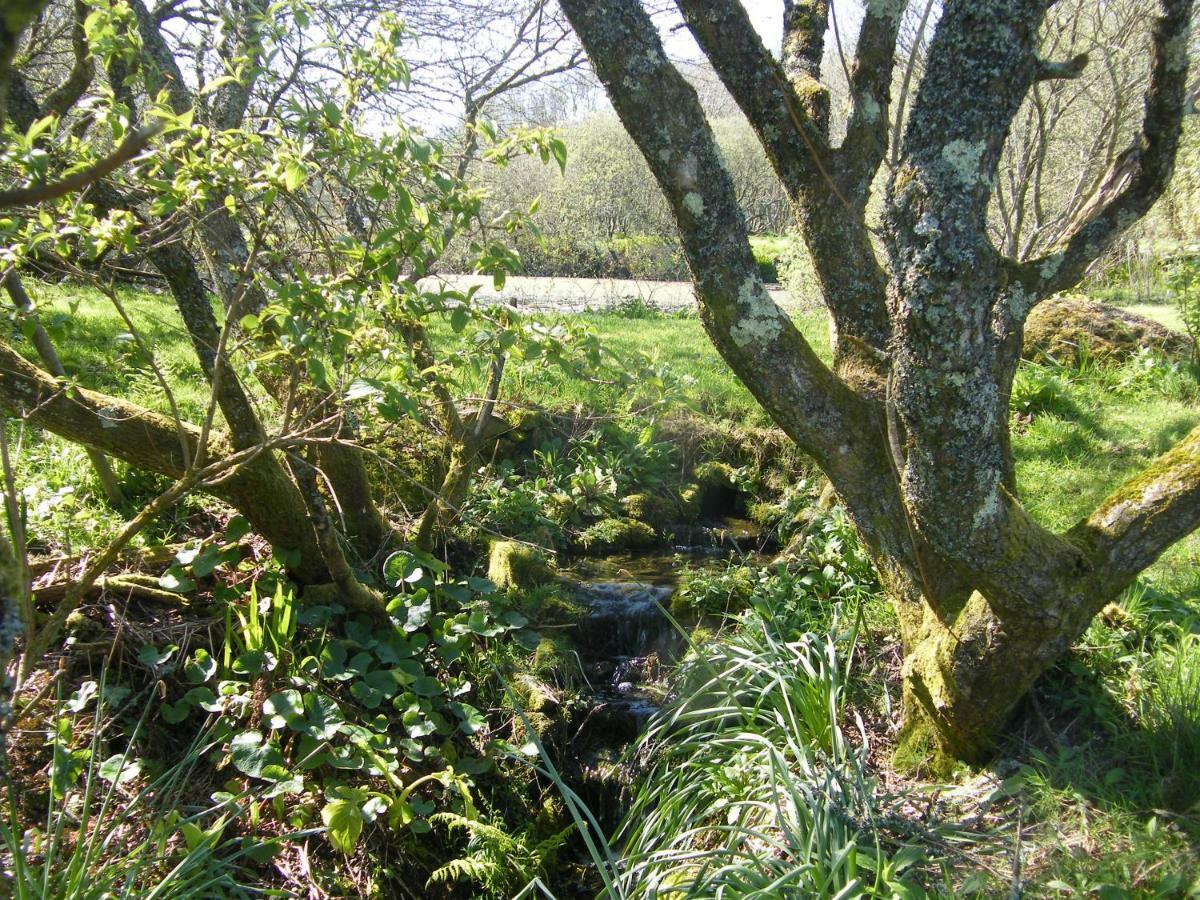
911	422
245	177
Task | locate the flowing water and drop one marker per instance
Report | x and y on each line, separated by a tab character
626	645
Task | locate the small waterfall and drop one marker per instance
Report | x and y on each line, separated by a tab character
623	644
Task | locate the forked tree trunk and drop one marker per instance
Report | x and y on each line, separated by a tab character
911	423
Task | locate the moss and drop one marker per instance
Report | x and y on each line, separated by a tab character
556	662
546	605
762	513
1068	329
654	511
917	752
715	474
514	565
691	501
608	535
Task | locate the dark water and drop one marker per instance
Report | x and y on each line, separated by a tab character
627	644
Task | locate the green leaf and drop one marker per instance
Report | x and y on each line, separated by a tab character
261	851
251	754
176	581
559	150
200	667
119	769
323	718
472	719
426	686
285	709
459	319
237	529
366	695
294	176
343	823
317	372
174	713
151	657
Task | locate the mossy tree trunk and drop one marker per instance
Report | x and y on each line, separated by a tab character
910	423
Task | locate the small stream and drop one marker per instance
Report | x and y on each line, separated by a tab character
626	646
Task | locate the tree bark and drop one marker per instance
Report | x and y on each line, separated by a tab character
259	489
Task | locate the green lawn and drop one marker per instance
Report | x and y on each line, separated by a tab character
1114	423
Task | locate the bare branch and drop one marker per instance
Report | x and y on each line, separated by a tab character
1138	176
1050	70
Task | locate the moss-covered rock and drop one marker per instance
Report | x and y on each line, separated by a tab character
556	662
762	513
653	510
515	565
691	500
716	474
1067	328
549	605
609	535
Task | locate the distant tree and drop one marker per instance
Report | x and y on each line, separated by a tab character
911	422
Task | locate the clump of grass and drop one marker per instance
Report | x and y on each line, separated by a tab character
1169	710
121	826
750	786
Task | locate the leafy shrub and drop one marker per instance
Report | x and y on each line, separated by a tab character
311	701
635	308
725	591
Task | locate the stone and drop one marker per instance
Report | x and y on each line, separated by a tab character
516	565
1069	328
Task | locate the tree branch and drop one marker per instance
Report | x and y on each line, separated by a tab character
1143	517
67	94
135	142
791	120
866	141
1138	176
804	25
149	441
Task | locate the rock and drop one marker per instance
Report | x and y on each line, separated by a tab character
714	474
718	494
1066	328
654	511
608	535
514	565
493	426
